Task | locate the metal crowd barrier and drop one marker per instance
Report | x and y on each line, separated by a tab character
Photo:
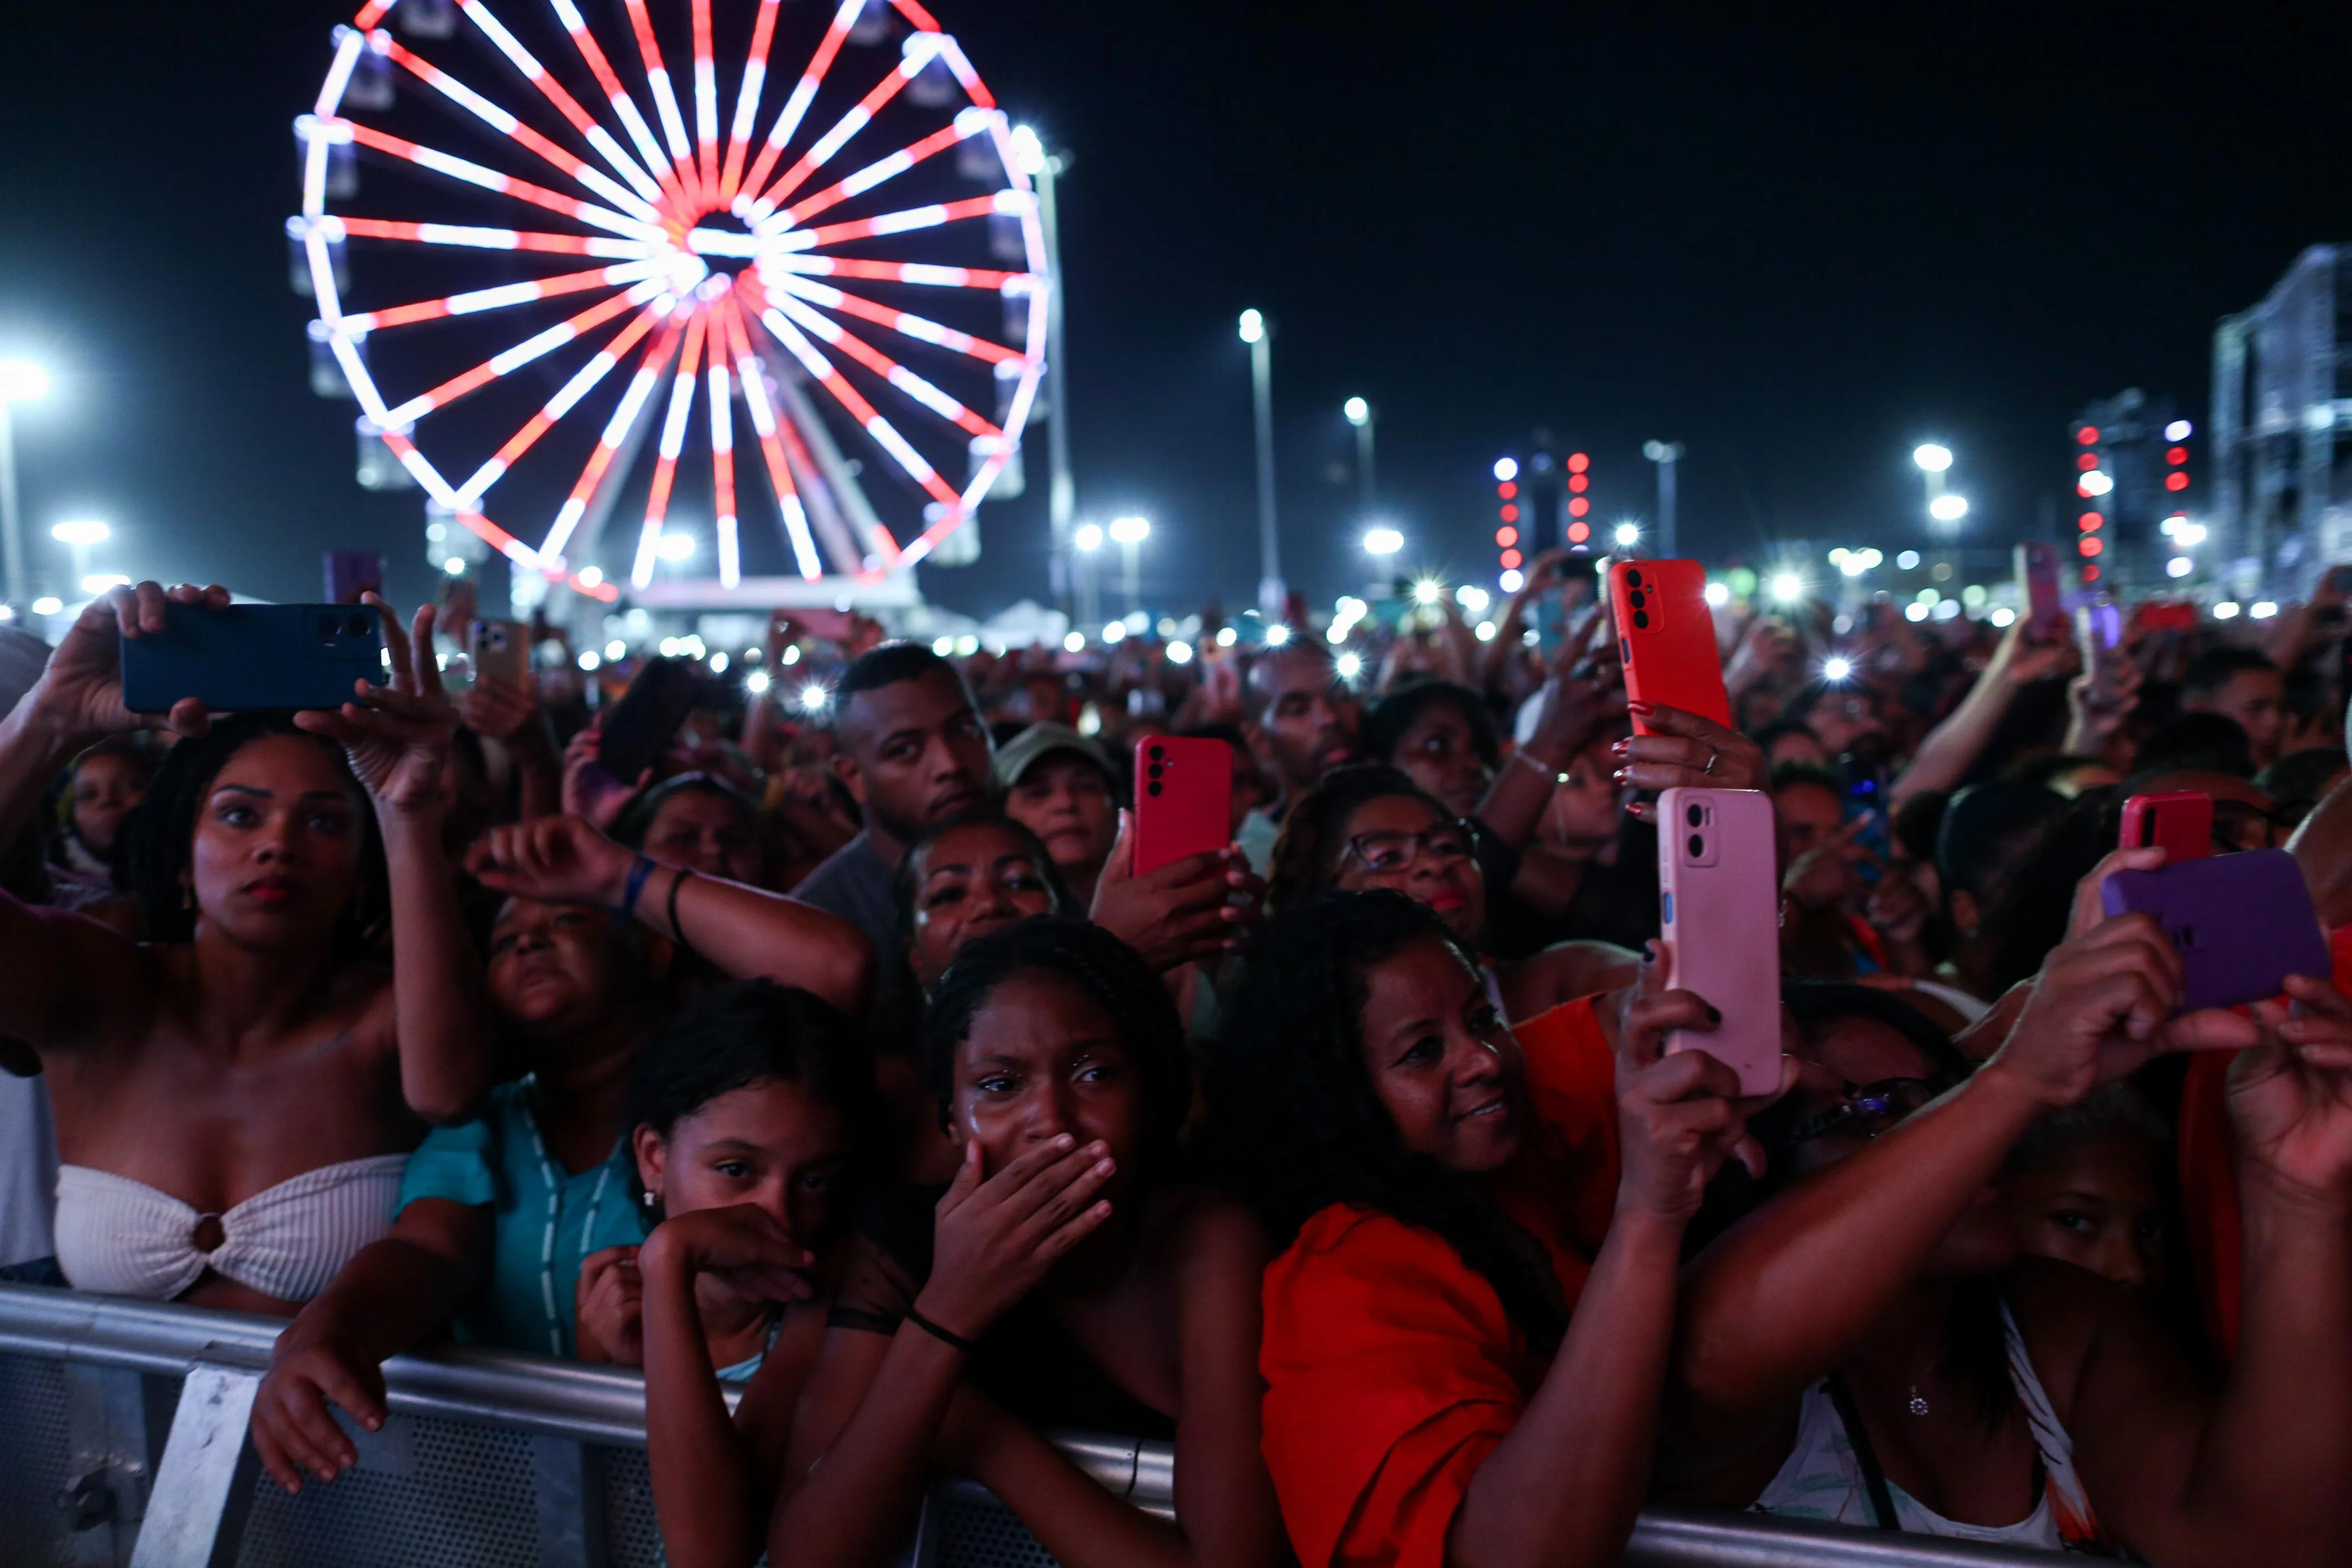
122	1445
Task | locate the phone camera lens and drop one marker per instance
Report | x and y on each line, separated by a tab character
326	628
1153	789
1157	754
1695	816
1641	620
1697	846
1640	599
357	625
1155	770
1633	579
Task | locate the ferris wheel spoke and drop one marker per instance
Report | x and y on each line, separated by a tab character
838	337
747	100
592	179
623	107
706	102
859	116
488	179
514	358
616	434
803	92
920	327
881	431
970	122
722	465
664	96
583	381
495	239
1011	202
673	441
771	447
503	296
581	120
907	272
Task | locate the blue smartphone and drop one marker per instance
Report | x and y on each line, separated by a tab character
251	658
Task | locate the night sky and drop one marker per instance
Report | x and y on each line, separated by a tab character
1798	243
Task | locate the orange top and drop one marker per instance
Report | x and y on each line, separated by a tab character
2209	1174
1391	1370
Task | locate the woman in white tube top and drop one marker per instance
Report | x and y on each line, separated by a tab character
235	1097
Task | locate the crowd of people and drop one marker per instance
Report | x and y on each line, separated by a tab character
845	1054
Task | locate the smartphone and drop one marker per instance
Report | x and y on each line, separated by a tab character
1719	909
251	658
647	715
1184	798
351	572
2164	616
2181	821
2037	589
2241	923
1666	635
501	652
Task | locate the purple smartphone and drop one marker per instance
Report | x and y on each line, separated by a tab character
2243	923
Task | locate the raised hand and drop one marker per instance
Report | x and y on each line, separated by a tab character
589	792
1824	875
2291	1097
1578	705
292	1429
506	713
554	859
1687	752
1189	910
743	1242
79	692
998	1236
396	736
1679	1117
608	1302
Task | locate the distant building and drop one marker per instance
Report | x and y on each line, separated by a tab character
2282	422
2133	522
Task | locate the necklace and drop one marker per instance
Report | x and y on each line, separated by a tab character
1917	1406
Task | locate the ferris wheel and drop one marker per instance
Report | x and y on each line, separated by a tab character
577	255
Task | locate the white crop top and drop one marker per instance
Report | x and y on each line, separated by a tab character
123	1238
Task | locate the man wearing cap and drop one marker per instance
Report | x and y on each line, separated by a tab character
1060	785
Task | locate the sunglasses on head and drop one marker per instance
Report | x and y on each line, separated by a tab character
1870	1108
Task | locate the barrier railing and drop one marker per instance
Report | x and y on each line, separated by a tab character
122	1445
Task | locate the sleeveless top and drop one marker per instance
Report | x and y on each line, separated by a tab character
123	1238
1829	1476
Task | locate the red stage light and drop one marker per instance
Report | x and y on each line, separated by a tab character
2176	455
2089	522
1510	514
2088	436
1507	538
1579	482
1578	462
2089	546
2090	574
1511	560
1578	506
2176	480
1578	533
1506	489
2087	461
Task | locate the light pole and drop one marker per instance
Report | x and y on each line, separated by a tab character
1129	533
1935	460
21	380
1363	416
1270	590
1089	538
1666	455
78	535
1061	495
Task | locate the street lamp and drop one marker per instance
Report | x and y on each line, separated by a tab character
1270	592
1932	458
1949	508
1045	168
1382	541
79	534
1666	455
1129	534
1361	416
21	380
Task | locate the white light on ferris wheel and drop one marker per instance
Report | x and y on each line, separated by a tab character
679	251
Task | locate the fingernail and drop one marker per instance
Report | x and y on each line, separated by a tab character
1063	1141
1103	1168
1621	747
1637	706
1618	776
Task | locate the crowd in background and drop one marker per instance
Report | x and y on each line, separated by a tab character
844	1053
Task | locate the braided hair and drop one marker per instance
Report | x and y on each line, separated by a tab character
1306	854
1295	1126
160	830
1108	973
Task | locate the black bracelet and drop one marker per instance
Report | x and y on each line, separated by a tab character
676	930
948	1337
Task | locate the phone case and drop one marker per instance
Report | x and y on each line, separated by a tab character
501	652
2037	583
2241	923
1184	798
645	718
1666	635
254	658
2181	821
1719	907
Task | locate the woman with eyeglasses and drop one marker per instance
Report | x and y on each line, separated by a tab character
1868	1347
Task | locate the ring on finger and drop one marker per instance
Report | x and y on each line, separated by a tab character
1713	756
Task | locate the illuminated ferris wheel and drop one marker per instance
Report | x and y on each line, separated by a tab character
580	255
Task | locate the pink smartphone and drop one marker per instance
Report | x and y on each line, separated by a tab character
1719	905
2180	819
1184	798
2037	583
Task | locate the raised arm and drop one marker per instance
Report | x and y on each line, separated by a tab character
748	932
1576	711
397	737
1953	746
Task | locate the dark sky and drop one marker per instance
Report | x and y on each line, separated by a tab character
1800	240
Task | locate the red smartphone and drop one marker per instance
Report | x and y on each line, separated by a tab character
2180	821
2163	615
2037	588
1719	909
1184	798
1666	635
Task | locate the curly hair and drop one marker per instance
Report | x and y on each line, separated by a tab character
1102	967
1307	852
904	892
1385	725
1295	1126
159	829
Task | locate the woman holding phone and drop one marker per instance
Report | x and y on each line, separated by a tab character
235	1097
